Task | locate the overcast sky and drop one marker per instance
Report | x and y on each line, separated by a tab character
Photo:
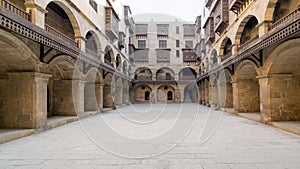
184	9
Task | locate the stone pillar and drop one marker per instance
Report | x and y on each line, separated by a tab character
234	49
206	95
90	97
68	97
263	28
80	42
214	95
210	94
177	95
37	14
24	100
100	97
118	95
154	95
280	99
245	96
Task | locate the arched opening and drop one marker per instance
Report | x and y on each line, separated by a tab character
125	67
280	89
225	93
248	30
147	95
143	73
246	88
140	93
18	81
61	22
214	57
165	74
226	46
187	74
191	93
168	76
90	44
108	91
92	91
61	87
165	94
108	56
118	62
283	8
170	95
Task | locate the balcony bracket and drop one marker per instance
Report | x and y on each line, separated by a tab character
86	67
230	69
44	54
258	59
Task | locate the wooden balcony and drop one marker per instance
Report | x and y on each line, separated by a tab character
209	30
55	32
121	40
234	5
208	3
225	57
189	55
221	16
282	31
111	23
286	18
16	10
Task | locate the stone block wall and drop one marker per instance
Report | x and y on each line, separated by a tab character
23	100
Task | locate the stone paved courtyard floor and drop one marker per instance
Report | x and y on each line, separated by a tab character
156	137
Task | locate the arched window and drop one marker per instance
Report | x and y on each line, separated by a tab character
168	76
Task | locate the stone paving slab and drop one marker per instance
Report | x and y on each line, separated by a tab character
233	142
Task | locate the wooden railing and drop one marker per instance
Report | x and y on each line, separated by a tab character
285	18
13	8
224	57
248	43
60	35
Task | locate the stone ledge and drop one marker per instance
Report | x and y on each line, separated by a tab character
7	135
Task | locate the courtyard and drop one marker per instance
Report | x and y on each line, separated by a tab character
156	136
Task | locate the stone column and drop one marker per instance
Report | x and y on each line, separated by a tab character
214	95
68	97
279	97
263	27
80	42
206	95
100	97
90	97
24	100
177	95
118	95
37	14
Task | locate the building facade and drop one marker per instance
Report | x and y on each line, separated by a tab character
166	64
249	61
68	58
62	58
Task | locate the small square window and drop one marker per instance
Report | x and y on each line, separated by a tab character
177	29
143	87
166	87
177	53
